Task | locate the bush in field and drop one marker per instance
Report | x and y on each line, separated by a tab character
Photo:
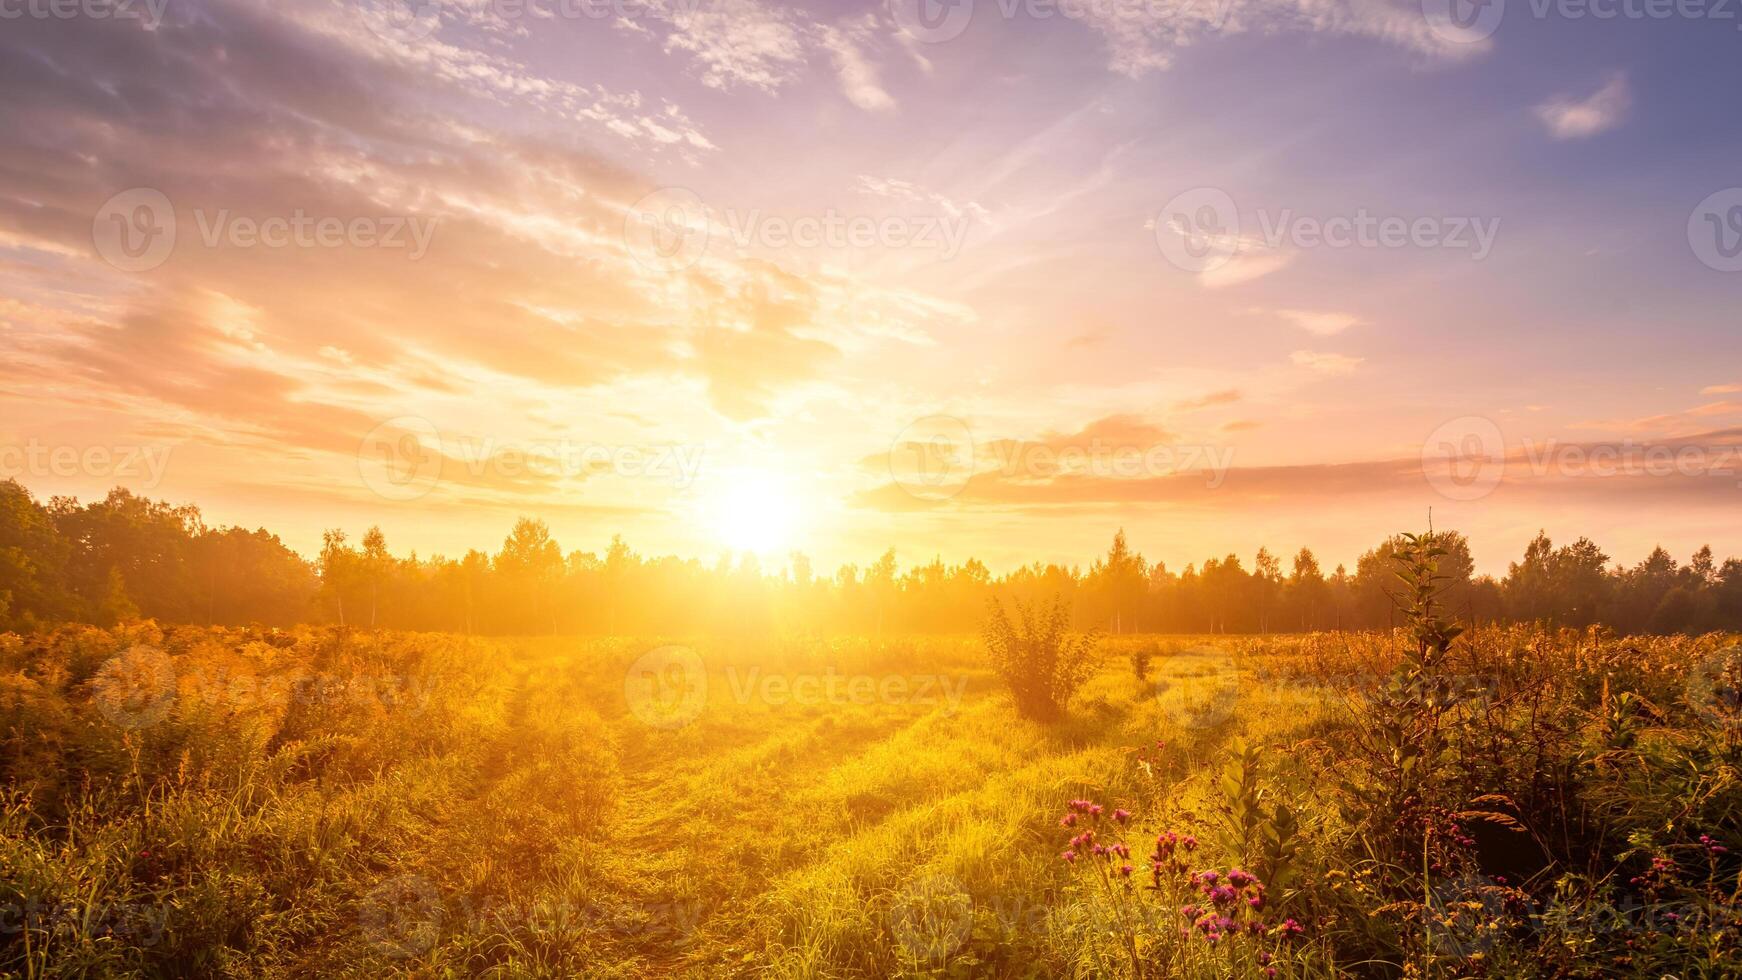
1039	657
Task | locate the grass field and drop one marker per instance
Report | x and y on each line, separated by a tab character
211	802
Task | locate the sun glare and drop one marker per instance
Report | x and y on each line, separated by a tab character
755	512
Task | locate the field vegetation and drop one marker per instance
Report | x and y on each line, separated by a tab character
1428	801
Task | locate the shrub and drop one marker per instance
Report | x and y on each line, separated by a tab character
1140	656
1039	657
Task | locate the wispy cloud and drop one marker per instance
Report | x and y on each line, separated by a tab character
1323	324
1325	363
1576	118
1244	267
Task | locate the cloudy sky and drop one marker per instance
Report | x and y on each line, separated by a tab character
984	277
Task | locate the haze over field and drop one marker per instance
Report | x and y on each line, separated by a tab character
969	280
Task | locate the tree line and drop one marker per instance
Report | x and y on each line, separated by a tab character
126	557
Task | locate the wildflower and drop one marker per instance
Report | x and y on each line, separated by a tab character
1068	820
1290	927
1121	816
1069	856
1240	879
1189	911
1209	878
1125	870
1222	894
1256	901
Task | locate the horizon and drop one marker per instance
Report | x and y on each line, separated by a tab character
780	565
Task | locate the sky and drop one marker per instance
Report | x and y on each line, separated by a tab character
984	278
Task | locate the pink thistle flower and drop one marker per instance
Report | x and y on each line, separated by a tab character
1068	820
1069	856
1125	870
1121	815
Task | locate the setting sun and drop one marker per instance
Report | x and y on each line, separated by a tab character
756	512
